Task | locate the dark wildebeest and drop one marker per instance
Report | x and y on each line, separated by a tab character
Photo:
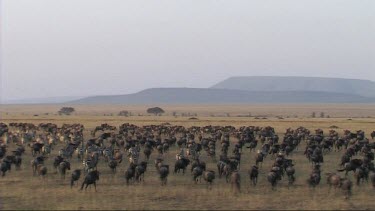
228	168
197	173
181	164
76	174
372	178
274	175
253	174
42	170
112	164
315	177
209	177
130	173
158	163
38	160
91	178
259	158
56	162
36	148
199	163
163	172
63	166
235	180
290	173
18	162
5	166
140	170
352	165
360	174
147	151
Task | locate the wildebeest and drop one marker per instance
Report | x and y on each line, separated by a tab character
209	177
181	164
5	166
373	134
290	173
140	170
36	148
42	170
253	174
372	178
315	177
56	162
63	166
76	174
112	164
91	178
226	168
346	186
130	173
274	176
259	158
199	163
197	173
17	161
38	160
352	165
235	180
147	151
361	173
333	180
163	172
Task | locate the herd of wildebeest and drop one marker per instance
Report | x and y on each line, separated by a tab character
112	144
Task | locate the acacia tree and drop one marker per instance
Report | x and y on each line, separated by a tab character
66	110
155	110
123	113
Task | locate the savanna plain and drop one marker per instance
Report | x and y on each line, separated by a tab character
19	189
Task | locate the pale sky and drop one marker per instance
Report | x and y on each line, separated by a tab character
55	48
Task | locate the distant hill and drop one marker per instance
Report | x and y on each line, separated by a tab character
364	88
222	96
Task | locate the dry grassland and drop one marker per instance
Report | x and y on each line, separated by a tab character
21	190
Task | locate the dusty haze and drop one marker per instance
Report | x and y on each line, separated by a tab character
96	47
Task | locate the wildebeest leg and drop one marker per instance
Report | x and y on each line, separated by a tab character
83	185
329	188
95	186
86	186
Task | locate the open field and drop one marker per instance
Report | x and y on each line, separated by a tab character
284	110
21	190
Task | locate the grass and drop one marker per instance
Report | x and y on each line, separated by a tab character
21	190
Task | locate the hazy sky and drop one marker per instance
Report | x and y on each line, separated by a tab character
90	47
